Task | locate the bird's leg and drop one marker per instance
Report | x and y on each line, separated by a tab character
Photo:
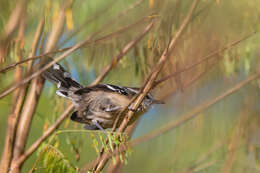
90	127
95	122
131	109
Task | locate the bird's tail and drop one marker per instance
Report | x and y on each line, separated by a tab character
59	76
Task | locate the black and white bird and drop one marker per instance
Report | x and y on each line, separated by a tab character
96	106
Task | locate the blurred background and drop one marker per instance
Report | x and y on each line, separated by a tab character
222	138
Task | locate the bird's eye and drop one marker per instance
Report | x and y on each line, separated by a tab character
102	108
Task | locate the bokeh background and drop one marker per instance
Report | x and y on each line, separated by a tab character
223	138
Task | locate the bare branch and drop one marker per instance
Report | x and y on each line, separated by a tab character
17	102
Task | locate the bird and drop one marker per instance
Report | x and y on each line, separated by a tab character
96	106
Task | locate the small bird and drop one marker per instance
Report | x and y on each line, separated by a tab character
96	106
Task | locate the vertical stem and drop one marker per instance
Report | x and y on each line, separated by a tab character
17	102
34	94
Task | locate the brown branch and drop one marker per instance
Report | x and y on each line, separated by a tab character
201	167
148	85
11	66
17	102
40	71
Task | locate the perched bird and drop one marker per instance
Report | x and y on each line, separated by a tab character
96	106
